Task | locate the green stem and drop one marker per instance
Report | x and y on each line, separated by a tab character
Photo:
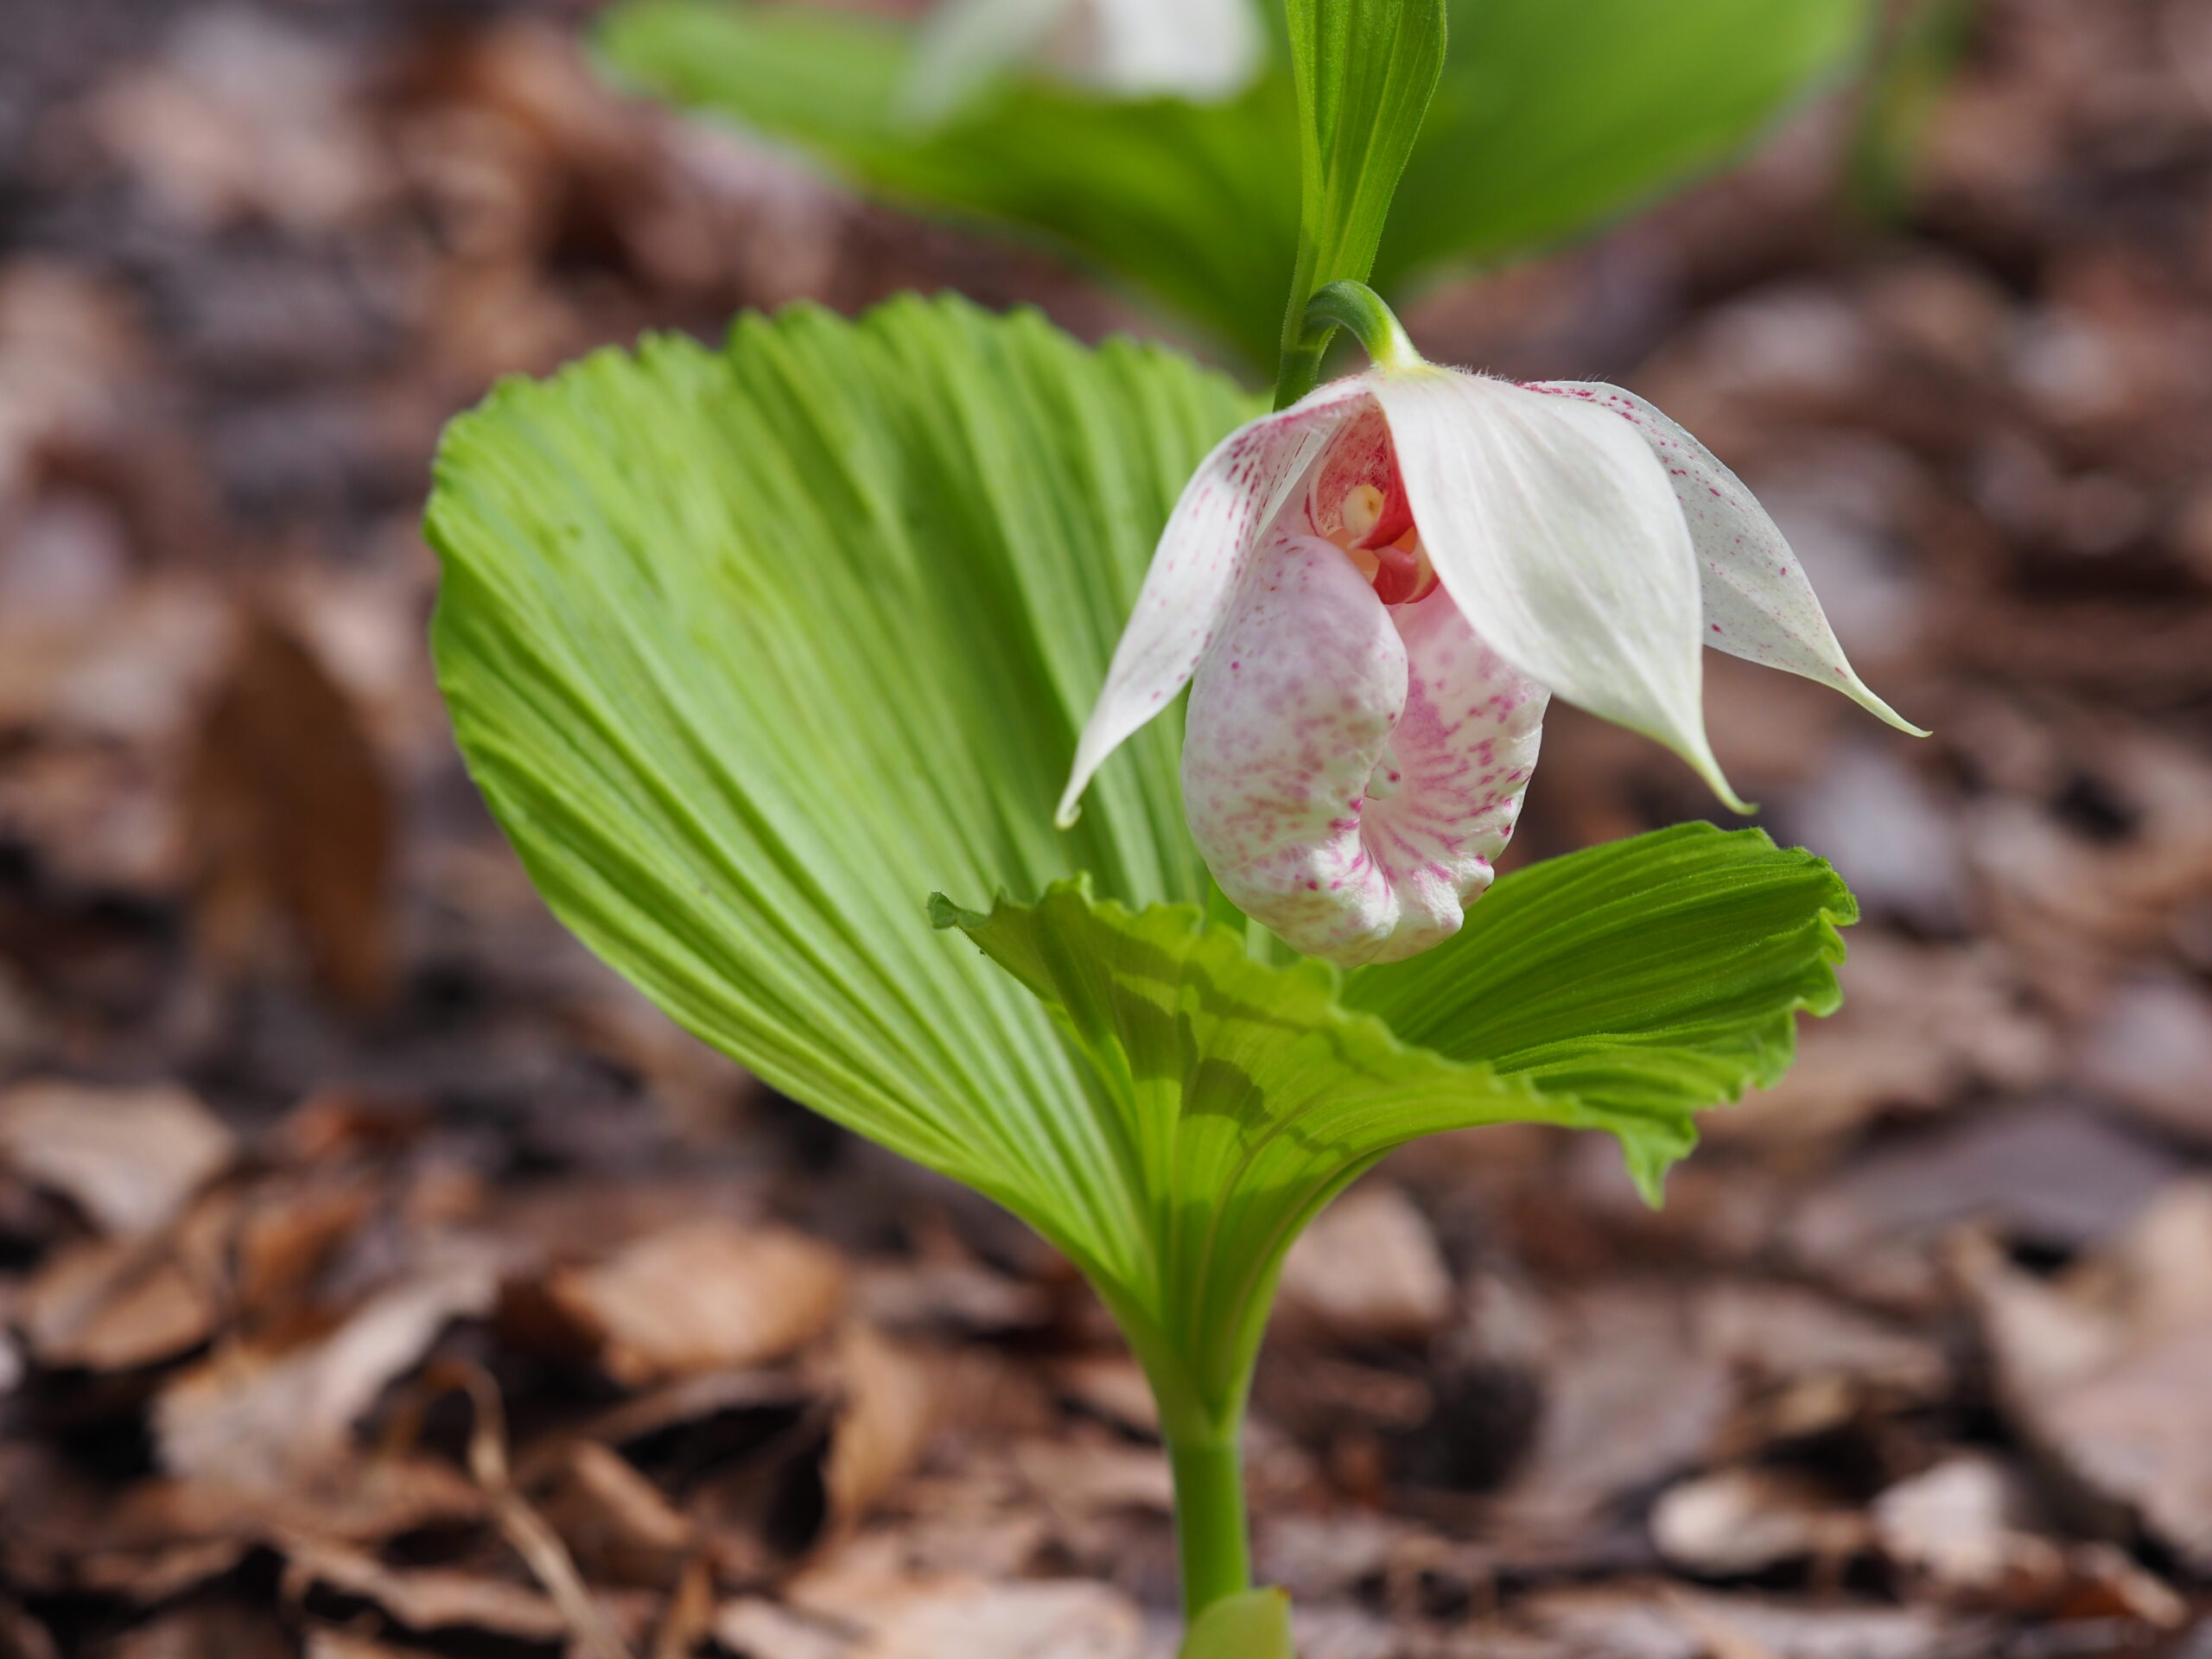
1301	368
1342	305
1209	1530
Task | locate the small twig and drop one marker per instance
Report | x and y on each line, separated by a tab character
689	1613
527	1533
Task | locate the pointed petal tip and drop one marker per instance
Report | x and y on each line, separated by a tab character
1729	797
1889	716
1864	695
1708	769
1069	810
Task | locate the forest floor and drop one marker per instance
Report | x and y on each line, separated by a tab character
380	1276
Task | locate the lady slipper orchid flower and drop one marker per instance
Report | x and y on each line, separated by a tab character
1374	593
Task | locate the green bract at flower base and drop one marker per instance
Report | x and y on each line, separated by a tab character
753	650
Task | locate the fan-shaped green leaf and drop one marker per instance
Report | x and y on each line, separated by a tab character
752	650
1649	978
1242	1096
1626	988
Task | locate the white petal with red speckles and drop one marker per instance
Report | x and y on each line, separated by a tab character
1464	747
1229	505
1554	527
1289	715
1759	605
1350	770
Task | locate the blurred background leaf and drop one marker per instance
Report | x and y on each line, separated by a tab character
1541	130
1538	131
1196	205
1919	51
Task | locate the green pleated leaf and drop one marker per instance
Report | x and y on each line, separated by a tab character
1255	1625
1648	978
1626	988
751	651
1549	119
1241	1098
1365	71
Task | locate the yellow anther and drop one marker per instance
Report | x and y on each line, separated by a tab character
1363	507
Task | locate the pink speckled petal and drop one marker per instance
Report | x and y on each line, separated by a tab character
1759	604
1289	715
1464	747
1348	770
1227	506
1552	524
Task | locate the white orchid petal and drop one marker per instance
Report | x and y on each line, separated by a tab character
1227	506
1554	527
1351	771
1290	716
1759	604
1464	748
1200	49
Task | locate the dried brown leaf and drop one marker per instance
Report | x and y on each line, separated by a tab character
893	1398
1629	1396
2105	1369
130	1159
290	818
897	1614
1367	1270
362	1500
1967	1528
763	1629
22	1637
425	1600
272	1415
706	1295
106	1308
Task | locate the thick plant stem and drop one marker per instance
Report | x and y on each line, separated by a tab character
1301	367
1210	1528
